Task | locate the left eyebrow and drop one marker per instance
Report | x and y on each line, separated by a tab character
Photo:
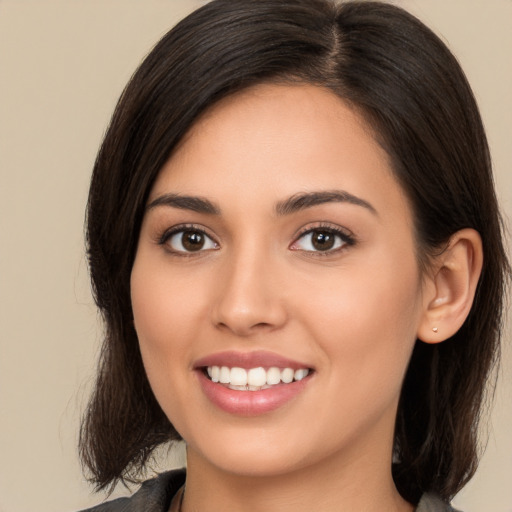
193	203
302	201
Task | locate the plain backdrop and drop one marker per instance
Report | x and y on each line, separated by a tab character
63	65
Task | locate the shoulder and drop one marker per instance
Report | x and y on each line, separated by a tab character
154	495
432	503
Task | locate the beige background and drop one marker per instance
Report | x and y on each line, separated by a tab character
62	67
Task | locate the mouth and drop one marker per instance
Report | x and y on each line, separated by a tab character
254	379
252	383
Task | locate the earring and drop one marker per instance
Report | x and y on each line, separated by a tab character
434	329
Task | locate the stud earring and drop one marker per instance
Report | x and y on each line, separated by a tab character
435	329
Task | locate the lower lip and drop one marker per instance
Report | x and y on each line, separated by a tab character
250	403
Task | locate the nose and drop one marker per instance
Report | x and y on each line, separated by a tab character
250	296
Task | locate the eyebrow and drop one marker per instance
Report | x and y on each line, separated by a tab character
194	203
293	204
305	200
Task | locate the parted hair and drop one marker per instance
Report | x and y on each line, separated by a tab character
410	89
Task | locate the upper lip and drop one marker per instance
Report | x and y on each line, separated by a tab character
249	360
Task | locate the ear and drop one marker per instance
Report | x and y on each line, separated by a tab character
450	287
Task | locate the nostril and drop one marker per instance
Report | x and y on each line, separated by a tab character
245	328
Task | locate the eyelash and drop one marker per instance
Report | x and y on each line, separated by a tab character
346	239
166	236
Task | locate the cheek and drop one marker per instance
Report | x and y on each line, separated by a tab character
365	322
164	306
163	322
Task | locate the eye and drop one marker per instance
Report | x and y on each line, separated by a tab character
322	240
188	241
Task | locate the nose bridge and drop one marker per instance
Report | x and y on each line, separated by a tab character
249	298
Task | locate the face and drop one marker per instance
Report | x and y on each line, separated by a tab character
275	290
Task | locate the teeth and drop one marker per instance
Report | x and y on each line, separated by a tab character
224	375
257	377
254	379
287	375
273	376
238	377
300	374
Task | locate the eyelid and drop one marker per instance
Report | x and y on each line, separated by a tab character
167	234
347	237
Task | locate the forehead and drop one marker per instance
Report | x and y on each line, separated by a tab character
276	140
305	119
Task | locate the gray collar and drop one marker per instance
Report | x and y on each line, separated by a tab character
432	503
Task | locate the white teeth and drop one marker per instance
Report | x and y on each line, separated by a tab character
237	388
238	377
273	376
257	377
300	374
287	375
254	379
224	375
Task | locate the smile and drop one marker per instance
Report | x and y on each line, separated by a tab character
254	379
252	383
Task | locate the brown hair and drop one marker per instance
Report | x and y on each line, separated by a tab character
410	88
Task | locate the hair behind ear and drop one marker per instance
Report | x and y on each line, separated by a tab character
445	383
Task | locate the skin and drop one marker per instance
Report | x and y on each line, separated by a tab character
352	314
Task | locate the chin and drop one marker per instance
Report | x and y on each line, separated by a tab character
256	465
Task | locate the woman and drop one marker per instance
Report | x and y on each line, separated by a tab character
295	244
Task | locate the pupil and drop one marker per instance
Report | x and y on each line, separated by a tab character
322	240
192	240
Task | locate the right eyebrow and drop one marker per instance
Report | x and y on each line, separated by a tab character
299	202
193	203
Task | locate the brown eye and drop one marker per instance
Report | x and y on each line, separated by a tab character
190	240
322	240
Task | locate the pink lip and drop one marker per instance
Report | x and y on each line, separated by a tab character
249	403
249	360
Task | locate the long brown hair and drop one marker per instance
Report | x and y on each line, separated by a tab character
411	90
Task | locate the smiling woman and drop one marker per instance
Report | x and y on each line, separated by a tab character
280	283
299	263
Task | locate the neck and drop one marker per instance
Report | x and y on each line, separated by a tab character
352	483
